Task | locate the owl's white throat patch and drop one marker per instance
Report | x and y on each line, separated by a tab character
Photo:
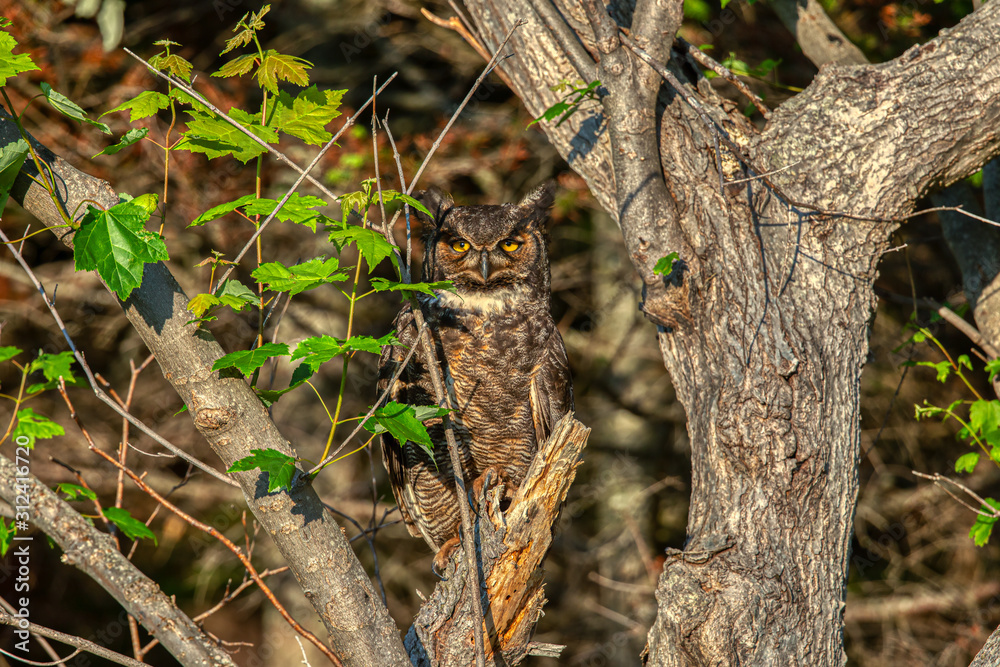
494	303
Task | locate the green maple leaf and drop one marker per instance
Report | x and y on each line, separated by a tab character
75	491
221	210
307	114
984	418
130	137
405	423
68	107
233	293
238	66
172	64
967	462
117	245
12	157
215	137
372	245
10	64
320	349
132	528
301	277
276	66
9	352
143	105
665	265
53	367
297	209
280	467
983	527
247	361
32	426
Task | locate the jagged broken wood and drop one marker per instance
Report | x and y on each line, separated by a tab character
510	548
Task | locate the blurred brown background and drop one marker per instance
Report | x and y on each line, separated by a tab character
920	592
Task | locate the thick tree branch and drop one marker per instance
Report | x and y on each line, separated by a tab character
821	40
643	205
901	122
232	419
95	554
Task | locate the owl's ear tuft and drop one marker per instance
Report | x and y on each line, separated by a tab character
437	202
536	204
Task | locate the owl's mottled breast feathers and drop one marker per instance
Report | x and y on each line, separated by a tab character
499	349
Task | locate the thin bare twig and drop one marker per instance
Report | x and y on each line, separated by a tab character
79	642
150	491
402	188
46	646
226	599
709	62
493	62
100	393
938	480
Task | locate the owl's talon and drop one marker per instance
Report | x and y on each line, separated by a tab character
484	481
443	557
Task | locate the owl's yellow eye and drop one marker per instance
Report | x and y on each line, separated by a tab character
460	246
510	245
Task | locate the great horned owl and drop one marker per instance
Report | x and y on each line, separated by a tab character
499	349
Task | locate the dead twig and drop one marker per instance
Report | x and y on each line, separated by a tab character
724	72
80	643
939	481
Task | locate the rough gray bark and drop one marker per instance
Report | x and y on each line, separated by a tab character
233	421
95	553
764	330
989	656
975	245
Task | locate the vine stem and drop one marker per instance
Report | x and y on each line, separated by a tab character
347	361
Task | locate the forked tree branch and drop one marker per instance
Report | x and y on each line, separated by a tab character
95	554
232	419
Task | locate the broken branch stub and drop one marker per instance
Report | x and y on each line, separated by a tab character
510	548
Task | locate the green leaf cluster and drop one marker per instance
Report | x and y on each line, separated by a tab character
26	425
979	419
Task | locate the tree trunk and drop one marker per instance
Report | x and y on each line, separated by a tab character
763	325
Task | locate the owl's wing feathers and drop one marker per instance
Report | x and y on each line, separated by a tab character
392	450
551	388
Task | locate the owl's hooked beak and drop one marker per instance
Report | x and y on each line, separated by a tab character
485	265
